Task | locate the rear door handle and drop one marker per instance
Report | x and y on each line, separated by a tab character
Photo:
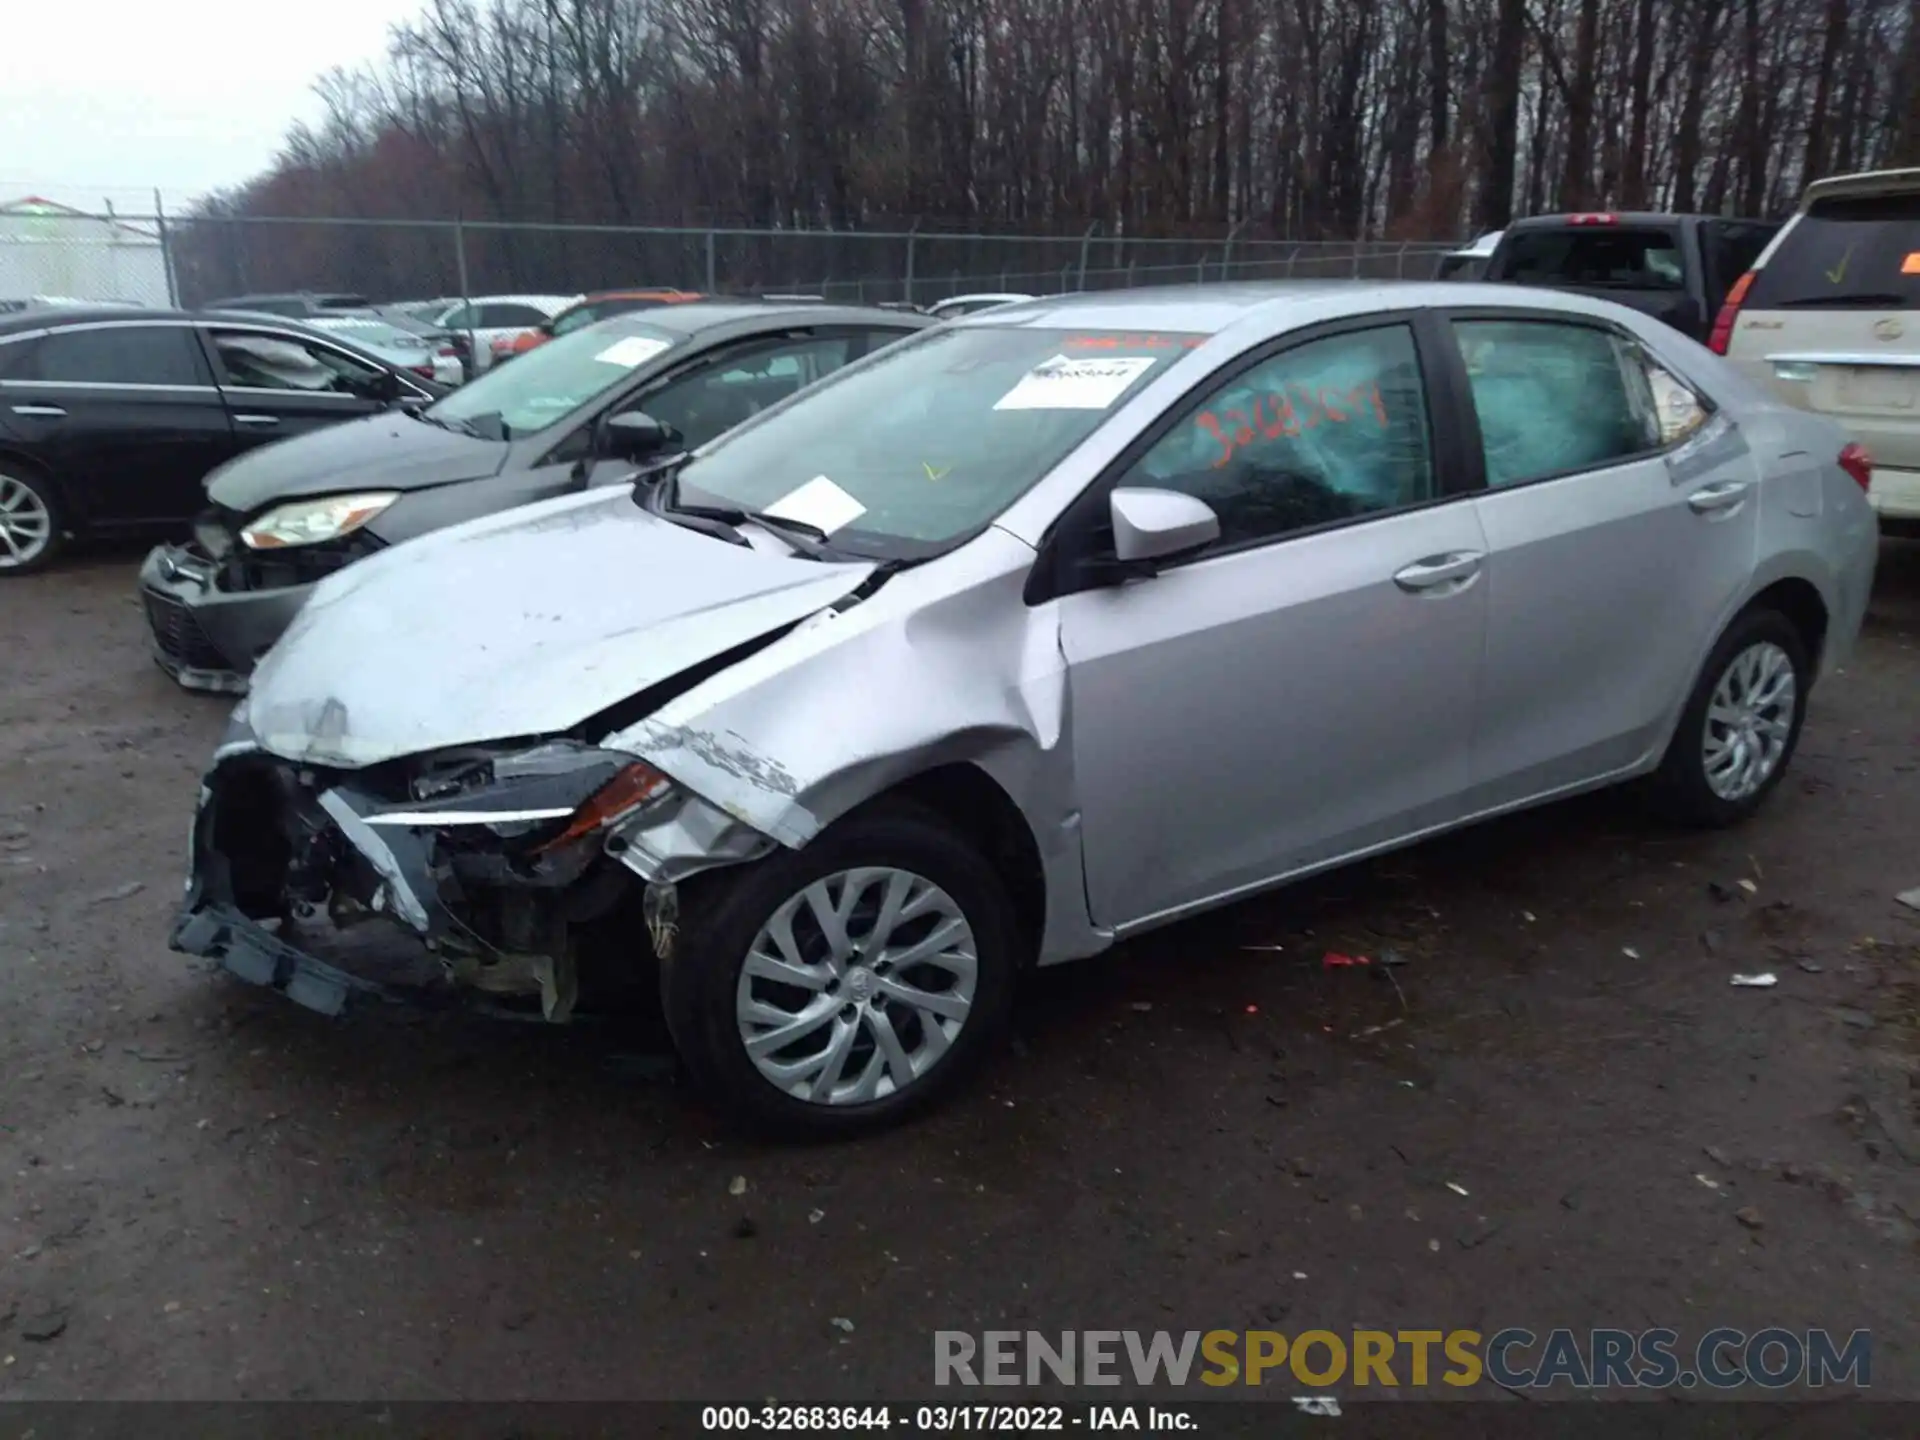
52	412
1438	570
256	419
1723	496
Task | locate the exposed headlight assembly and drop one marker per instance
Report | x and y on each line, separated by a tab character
531	791
308	522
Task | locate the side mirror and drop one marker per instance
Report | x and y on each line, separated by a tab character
1151	525
633	435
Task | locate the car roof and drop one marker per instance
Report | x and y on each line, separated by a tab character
1190	309
1864	182
1280	304
658	293
693	318
521	299
1572	219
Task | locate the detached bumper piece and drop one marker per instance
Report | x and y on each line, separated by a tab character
255	954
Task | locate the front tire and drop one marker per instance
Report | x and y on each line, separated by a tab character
31	533
1741	724
839	988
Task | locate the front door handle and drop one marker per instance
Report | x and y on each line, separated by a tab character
1723	496
256	419
51	412
1436	571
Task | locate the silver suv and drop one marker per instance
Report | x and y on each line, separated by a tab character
1826	320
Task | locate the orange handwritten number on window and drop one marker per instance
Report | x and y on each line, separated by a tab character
1275	417
1209	422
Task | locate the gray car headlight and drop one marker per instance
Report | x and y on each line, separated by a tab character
308	522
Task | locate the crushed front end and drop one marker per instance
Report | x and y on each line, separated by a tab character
214	605
500	862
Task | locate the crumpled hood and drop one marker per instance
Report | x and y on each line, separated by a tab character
518	624
388	451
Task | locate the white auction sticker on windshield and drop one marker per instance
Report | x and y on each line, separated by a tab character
820	503
1063	383
631	351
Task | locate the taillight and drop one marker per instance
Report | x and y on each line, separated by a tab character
425	372
1593	219
1855	460
447	350
1722	334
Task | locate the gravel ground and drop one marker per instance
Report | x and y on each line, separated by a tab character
207	1192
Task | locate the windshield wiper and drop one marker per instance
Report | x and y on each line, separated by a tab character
1857	297
807	538
460	426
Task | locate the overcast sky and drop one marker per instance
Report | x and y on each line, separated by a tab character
111	98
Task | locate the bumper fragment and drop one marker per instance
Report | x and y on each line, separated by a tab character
249	951
207	638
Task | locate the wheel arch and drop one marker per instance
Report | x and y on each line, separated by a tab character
1786	588
979	808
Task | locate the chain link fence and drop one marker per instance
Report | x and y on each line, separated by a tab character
192	261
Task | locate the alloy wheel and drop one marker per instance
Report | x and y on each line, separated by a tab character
1749	721
857	987
26	525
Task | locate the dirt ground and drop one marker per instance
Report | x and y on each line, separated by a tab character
207	1192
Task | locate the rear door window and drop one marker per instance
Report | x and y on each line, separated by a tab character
1594	256
1555	398
1848	252
118	355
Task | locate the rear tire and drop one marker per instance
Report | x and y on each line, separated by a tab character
1738	733
912	1005
32	533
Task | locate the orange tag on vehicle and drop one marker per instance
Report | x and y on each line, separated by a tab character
1911	265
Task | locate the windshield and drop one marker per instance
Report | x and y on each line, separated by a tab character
1593	256
1847	251
546	385
901	458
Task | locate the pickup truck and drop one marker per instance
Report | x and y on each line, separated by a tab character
1676	268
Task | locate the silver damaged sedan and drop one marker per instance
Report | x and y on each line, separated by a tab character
1022	636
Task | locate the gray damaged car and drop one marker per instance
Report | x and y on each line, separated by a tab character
1024	636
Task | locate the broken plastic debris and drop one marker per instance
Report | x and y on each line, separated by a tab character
1629	952
1710	1184
814	1217
1527	915
737	1185
1764	981
1910	898
1456	1187
1143	1005
1748	886
1299	1274
1316	1405
1336	961
1282	947
842	1323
